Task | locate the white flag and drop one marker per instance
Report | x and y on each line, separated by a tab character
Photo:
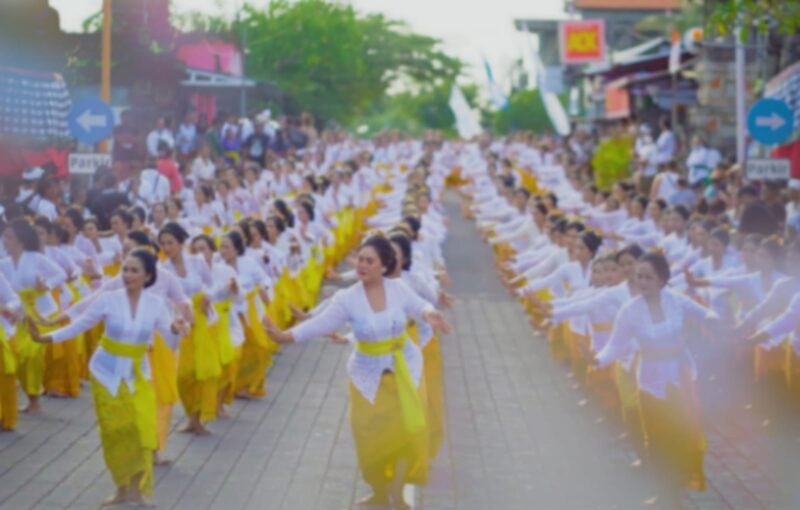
675	54
467	121
552	105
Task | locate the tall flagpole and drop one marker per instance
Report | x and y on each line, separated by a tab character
105	61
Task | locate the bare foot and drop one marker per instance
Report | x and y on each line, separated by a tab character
56	394
140	501
31	409
195	428
374	500
160	461
222	413
117	499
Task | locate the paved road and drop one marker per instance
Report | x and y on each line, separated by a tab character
520	433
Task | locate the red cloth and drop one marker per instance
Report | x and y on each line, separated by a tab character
15	159
168	168
790	151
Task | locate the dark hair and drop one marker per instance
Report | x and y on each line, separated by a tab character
404	244
278	221
60	233
237	241
414	223
75	217
634	250
575	225
385	252
553	198
207	191
139	212
149	263
285	212
206	239
178	232
140	238
682	211
659	264
124	215
722	235
641	200
661	203
592	241
309	208
44	223
261	227
312	183
541	208
26	234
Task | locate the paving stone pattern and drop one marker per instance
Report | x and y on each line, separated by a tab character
521	434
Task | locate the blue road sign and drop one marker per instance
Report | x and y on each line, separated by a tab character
770	121
90	120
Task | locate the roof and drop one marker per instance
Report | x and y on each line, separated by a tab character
629	5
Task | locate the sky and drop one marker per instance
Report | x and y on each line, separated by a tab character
469	29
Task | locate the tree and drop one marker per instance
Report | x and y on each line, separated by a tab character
333	61
761	15
525	112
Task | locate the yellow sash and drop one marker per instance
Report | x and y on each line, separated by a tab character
143	395
26	346
226	350
602	327
206	357
8	362
410	400
254	319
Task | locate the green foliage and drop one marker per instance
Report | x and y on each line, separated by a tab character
611	161
332	60
414	112
758	15
525	112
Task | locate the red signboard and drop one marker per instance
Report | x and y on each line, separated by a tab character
582	41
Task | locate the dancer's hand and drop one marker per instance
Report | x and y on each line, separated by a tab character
338	339
280	336
299	314
446	300
36	335
437	320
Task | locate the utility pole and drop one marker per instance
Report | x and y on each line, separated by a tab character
243	44
105	61
741	150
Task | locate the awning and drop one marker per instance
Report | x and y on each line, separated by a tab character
33	106
206	79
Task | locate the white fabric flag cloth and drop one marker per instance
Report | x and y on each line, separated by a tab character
467	122
552	105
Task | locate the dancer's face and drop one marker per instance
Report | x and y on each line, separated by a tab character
369	266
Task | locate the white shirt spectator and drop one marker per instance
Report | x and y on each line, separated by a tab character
186	138
153	188
155	137
203	169
701	162
665	146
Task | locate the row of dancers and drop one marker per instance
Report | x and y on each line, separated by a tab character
194	307
622	287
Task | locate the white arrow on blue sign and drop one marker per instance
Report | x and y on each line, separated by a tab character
770	121
90	120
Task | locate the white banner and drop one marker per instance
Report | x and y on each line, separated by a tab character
768	169
88	163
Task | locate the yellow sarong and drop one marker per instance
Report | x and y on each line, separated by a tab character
127	420
199	367
409	395
31	354
8	384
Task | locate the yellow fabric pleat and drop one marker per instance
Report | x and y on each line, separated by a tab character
31	354
206	353
8	359
410	400
223	332
254	319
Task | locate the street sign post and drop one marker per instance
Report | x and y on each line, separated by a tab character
87	163
90	120
770	121
768	169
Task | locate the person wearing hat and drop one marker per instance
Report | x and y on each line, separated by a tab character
27	197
